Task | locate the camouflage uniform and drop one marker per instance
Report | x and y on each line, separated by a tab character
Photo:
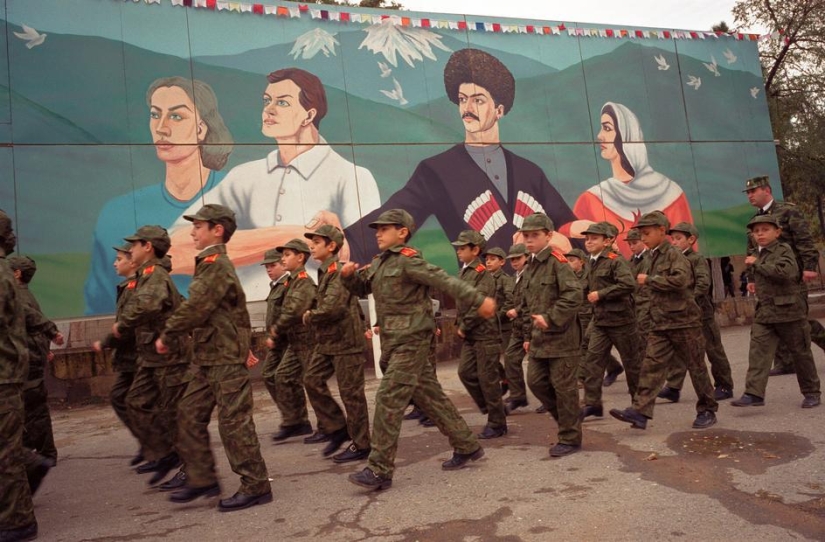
552	290
274	301
614	323
514	354
399	278
780	312
641	297
338	326
217	318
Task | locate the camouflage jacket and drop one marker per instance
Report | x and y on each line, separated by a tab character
552	290
337	322
39	333
777	285
14	356
124	358
795	233
641	296
586	310
152	302
701	287
275	300
517	323
611	277
215	312
474	327
399	279
299	298
670	282
504	299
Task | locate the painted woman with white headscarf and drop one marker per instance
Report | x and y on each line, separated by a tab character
634	188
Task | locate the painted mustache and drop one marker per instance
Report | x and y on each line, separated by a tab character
469	115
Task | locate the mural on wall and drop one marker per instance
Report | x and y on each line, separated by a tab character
122	114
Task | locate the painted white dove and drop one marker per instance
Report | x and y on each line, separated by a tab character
396	94
662	63
713	67
31	36
694	82
385	70
755	92
729	56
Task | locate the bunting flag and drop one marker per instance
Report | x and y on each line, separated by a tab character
304	10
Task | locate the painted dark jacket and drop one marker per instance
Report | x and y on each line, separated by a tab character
39	333
611	277
336	320
474	327
777	297
452	187
670	283
124	358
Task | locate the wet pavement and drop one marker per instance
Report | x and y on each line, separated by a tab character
759	474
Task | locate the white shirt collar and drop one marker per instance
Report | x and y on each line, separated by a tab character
768	206
305	163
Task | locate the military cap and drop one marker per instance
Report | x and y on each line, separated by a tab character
399	217
612	230
328	231
126	247
156	235
495	251
6	226
272	255
763	219
598	228
633	234
577	253
166	263
517	251
685	227
653	218
212	212
298	245
22	263
757	182
537	221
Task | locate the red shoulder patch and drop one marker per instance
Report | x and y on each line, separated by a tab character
149	270
303	275
480	268
409	252
212	258
333	267
559	256
132	285
612	255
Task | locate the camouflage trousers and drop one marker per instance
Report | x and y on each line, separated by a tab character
228	388
554	382
271	361
411	375
514	356
602	339
719	364
478	370
16	508
152	403
783	359
289	385
765	338
612	367
668	347
117	398
349	372
37	428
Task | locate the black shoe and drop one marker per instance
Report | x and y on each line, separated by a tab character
457	461
336	440
414	414
811	400
610	378
239	501
316	437
368	479
149	466
352	453
704	420
541	409
720	393
164	465
493	432
36	472
561	450
426	422
137	460
748	400
29	532
176	482
671	394
635	419
779	371
292	431
513	404
188	493
589	410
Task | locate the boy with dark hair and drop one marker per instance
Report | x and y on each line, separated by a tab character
216	316
514	352
684	237
400	278
609	291
675	328
480	351
780	317
290	329
337	323
279	277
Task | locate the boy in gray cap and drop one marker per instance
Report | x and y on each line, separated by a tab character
514	352
278	277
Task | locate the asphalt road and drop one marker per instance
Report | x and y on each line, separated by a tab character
759	474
